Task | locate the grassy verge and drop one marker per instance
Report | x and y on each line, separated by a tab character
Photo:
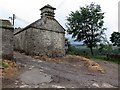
85	52
105	59
3	65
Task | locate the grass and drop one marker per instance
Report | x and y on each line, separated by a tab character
3	65
105	59
84	51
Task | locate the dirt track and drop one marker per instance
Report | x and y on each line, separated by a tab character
67	74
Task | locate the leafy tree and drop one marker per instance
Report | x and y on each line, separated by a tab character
101	48
115	38
67	42
86	25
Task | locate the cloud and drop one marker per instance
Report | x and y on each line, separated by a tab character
28	10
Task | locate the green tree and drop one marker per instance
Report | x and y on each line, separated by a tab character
67	42
86	25
115	38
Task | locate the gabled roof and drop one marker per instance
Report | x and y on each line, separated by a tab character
5	24
45	24
30	25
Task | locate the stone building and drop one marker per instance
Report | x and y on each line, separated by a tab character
44	36
6	39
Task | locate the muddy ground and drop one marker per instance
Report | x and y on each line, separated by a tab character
36	73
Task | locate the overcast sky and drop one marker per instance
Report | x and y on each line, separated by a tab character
27	11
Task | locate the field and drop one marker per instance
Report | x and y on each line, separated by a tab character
103	55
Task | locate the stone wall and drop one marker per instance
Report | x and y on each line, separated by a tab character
44	36
7	42
0	41
35	42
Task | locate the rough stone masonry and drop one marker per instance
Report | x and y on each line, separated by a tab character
6	39
44	36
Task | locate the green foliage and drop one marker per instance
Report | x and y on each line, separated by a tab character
67	43
105	59
87	25
84	51
115	38
71	50
101	48
4	65
105	48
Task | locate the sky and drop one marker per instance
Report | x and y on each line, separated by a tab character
27	11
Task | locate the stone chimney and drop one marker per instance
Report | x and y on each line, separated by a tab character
47	11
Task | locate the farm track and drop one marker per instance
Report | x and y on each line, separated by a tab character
68	74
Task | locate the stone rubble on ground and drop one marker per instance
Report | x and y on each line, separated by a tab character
56	86
95	85
31	67
40	61
104	85
24	86
107	85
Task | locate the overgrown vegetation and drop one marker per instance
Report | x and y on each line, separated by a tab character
101	55
3	65
72	50
115	60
